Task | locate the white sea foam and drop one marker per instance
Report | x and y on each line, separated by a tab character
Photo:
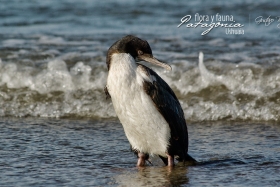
245	91
210	90
44	39
13	42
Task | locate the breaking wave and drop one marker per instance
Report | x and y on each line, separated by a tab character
220	91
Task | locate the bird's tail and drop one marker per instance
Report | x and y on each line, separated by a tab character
189	160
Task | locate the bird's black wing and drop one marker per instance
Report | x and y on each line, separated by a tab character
168	105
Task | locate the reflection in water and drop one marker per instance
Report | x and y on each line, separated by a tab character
154	176
166	176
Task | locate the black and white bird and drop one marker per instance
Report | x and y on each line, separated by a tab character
148	109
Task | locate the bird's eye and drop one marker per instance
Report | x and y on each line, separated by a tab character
140	52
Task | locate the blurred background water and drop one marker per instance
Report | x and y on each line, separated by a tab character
58	128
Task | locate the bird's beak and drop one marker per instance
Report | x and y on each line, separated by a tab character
153	60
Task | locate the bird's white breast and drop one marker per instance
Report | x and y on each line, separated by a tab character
145	128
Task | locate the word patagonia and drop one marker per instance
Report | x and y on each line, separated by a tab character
209	26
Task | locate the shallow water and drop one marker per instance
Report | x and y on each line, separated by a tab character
57	128
49	152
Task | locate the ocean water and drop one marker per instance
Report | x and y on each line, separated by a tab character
57	128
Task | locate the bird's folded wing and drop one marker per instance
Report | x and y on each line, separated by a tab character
168	105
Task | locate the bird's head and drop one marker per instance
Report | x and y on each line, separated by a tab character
139	49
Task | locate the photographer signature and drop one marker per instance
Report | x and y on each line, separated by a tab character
267	21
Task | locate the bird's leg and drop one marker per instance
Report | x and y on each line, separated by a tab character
170	160
141	159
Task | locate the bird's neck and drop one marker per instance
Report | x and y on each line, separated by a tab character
122	63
